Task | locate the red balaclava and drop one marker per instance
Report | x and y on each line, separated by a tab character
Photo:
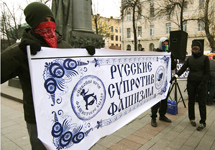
47	31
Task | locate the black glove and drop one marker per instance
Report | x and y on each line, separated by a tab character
90	50
172	79
34	46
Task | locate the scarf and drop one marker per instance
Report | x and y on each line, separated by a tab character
47	31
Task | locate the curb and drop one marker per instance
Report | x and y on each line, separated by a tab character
12	98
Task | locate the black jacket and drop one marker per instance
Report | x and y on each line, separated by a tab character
199	69
15	63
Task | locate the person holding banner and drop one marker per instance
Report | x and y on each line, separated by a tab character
162	105
15	62
197	83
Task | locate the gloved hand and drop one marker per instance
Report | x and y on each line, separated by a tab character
173	78
34	46
90	49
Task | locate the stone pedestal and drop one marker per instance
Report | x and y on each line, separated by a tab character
82	19
82	25
74	22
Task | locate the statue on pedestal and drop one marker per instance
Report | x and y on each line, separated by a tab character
74	21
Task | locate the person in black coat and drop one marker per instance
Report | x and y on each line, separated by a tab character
196	83
14	60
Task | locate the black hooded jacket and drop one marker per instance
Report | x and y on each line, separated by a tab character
199	68
15	63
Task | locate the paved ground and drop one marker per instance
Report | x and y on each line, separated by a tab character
137	135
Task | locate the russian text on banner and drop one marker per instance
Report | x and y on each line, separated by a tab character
80	98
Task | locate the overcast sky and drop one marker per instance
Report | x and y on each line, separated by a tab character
105	8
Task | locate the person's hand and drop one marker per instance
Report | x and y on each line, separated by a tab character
173	78
34	46
90	50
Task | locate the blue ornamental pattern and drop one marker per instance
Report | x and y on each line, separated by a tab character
66	134
58	73
165	59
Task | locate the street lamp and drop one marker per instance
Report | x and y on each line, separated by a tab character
139	38
132	39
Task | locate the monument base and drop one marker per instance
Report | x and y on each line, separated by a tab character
86	34
82	39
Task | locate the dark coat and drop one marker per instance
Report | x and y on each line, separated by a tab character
15	63
199	69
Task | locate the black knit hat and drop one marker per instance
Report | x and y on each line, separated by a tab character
35	13
197	43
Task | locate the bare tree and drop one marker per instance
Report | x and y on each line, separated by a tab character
96	19
174	10
209	23
100	25
136	8
10	24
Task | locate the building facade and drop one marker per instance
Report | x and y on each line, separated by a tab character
110	28
150	30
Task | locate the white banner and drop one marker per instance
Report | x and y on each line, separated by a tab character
79	99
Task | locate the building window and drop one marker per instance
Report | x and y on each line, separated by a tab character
111	28
112	37
168	28
128	16
151	47
140	31
185	26
152	14
117	45
201	25
116	37
128	32
112	44
128	47
116	29
151	29
201	4
185	6
168	9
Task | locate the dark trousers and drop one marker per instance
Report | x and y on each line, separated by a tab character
162	106
36	144
199	94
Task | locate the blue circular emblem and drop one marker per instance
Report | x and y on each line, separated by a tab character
159	77
88	97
